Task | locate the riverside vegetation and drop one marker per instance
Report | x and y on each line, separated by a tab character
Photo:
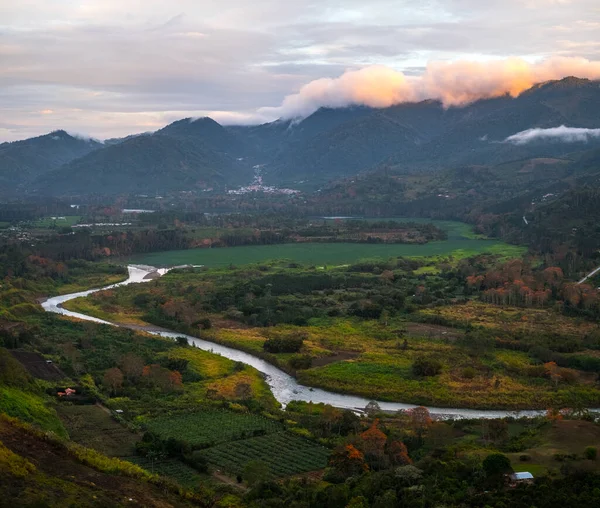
166	424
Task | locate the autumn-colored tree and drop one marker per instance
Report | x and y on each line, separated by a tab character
373	443
175	380
553	372
243	390
113	379
398	454
420	420
132	366
553	414
158	376
348	460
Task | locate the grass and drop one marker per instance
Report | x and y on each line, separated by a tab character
49	222
211	426
561	437
93	427
511	319
325	253
283	453
30	408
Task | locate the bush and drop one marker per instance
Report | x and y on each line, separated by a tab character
590	453
524	458
300	362
469	373
283	345
425	367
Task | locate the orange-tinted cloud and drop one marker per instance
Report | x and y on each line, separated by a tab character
453	83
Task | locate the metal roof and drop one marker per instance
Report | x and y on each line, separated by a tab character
523	476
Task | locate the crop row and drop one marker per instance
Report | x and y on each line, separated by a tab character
284	454
172	468
212	427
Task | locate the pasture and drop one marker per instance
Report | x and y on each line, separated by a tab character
462	242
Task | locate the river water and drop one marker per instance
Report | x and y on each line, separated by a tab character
285	388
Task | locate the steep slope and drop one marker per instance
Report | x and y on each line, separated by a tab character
145	164
21	161
40	470
346	149
443	138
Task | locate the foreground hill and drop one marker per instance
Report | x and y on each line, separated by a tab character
39	470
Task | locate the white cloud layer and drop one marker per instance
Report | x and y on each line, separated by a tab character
562	134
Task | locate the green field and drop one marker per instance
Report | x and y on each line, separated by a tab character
461	242
211	427
283	453
50	222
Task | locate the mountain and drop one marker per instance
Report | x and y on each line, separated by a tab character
208	133
116	141
145	164
345	149
328	145
422	136
23	161
466	192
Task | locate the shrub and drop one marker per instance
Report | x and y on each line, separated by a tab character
299	362
590	453
524	458
283	345
469	373
424	367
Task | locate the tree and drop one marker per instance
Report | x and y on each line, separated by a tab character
408	475
553	372
243	391
420	420
113	379
132	366
398	454
496	465
426	367
255	471
373	444
372	408
348	460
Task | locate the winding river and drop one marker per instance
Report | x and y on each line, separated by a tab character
285	388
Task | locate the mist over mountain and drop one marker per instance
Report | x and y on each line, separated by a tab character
196	154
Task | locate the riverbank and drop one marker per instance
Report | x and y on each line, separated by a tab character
284	387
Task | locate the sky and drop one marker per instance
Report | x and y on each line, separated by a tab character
109	68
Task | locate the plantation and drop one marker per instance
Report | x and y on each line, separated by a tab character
206	428
185	475
283	453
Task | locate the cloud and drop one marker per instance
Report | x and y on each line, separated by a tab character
562	133
453	83
112	67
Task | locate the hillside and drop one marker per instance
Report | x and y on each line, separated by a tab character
145	164
22	161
